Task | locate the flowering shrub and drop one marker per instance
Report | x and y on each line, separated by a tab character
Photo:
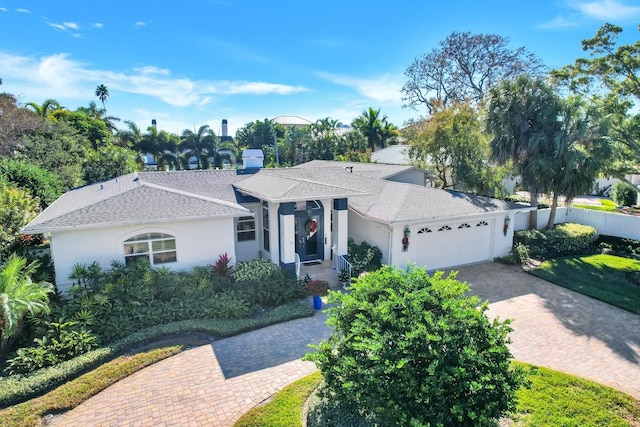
316	287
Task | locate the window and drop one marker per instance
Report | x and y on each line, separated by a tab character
157	248
482	224
444	228
424	230
465	225
265	226
246	228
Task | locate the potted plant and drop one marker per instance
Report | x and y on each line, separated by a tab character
316	289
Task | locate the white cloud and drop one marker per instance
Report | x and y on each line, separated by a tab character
71	25
140	24
98	25
23	10
610	10
385	88
55	26
63	78
558	22
3	9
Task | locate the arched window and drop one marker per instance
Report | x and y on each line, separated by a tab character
482	224
424	230
157	248
465	225
444	228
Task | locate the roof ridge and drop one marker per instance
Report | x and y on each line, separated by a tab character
195	195
323	183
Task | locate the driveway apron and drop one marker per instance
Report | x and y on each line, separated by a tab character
213	385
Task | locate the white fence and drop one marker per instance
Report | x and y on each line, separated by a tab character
607	223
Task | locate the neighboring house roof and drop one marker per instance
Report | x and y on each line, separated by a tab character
372	170
292	121
143	198
291	184
393	154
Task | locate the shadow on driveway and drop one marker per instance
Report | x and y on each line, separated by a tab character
270	346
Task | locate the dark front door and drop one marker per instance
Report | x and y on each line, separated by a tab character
309	241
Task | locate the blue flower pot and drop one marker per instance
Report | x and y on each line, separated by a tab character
317	302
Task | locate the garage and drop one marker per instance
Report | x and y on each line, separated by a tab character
452	244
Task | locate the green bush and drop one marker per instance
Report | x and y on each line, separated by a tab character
624	194
18	388
62	342
619	245
562	239
363	257
519	254
40	183
411	349
257	270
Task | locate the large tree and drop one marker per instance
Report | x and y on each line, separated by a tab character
610	78
411	349
522	116
46	110
376	128
452	143
464	67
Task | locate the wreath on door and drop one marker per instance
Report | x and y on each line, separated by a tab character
310	226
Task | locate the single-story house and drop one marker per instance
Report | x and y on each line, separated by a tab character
306	213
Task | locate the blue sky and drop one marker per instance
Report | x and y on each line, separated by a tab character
188	63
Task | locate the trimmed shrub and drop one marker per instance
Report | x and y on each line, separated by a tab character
619	245
18	388
363	257
257	270
563	239
624	194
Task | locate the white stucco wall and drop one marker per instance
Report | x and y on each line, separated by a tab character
376	234
197	243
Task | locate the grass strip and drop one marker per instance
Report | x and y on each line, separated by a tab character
559	399
609	278
285	409
73	393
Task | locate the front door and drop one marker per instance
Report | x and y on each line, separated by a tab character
309	242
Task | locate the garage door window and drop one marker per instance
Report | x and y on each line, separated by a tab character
444	228
424	230
465	225
482	224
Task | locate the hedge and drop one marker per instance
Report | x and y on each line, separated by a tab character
562	239
16	389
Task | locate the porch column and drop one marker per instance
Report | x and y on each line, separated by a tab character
287	234
341	223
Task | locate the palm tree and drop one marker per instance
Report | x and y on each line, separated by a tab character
102	93
19	295
198	144
101	114
47	109
375	128
523	116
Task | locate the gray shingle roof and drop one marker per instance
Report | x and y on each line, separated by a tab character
141	198
373	170
291	184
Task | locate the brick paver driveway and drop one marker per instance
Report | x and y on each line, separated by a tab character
214	385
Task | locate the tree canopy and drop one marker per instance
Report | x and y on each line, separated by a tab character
411	349
464	67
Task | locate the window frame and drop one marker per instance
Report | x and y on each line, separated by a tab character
265	227
152	246
246	231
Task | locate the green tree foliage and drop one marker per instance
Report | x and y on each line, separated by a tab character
376	128
453	144
91	127
465	67
198	144
108	162
19	295
624	194
16	122
58	148
17	209
610	78
412	349
46	110
40	183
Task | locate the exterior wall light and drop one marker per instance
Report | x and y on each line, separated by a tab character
507	221
405	239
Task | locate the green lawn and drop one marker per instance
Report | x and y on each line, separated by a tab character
605	205
612	279
554	399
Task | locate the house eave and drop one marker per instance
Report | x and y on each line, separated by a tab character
41	230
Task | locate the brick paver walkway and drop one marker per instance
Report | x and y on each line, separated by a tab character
553	327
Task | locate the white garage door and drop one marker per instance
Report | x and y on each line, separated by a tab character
453	244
